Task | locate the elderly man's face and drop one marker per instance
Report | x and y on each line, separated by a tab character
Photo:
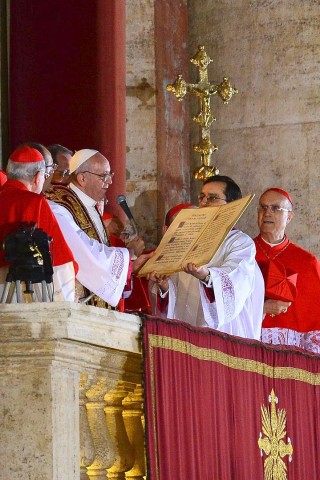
96	181
274	214
38	182
49	170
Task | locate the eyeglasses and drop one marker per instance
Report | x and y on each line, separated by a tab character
211	198
50	169
273	208
53	166
104	176
45	174
64	173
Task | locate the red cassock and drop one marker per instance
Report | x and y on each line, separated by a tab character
138	301
291	274
17	205
280	283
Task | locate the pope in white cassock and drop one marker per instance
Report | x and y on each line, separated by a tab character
227	294
104	271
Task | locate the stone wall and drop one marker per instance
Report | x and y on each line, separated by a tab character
71	395
268	134
158	161
141	169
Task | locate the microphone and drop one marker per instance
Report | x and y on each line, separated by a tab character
122	202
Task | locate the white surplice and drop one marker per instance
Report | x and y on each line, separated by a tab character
103	270
238	288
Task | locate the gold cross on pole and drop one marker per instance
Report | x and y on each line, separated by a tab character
204	90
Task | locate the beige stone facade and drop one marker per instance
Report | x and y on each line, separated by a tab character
268	134
71	396
141	168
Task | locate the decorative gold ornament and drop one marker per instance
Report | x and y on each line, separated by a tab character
204	90
274	427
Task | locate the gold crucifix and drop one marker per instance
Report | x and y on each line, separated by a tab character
204	90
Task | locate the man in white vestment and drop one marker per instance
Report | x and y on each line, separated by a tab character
227	294
104	271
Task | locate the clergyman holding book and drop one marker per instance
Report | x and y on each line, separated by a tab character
227	293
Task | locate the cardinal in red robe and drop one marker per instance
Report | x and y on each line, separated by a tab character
292	277
21	201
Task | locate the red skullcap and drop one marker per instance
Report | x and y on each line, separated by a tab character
26	155
174	210
282	192
107	215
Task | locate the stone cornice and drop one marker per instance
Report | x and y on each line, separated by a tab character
69	321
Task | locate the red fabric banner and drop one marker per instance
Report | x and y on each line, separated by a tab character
221	407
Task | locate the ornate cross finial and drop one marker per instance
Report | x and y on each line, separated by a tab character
274	427
204	90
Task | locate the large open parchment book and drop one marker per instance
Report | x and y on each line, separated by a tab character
194	236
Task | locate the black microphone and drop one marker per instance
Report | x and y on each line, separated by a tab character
121	200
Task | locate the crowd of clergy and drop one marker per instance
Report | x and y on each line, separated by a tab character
264	288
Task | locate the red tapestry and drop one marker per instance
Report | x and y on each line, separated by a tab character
220	407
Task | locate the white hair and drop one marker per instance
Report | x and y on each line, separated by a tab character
24	171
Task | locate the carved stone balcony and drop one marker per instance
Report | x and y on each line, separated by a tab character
71	396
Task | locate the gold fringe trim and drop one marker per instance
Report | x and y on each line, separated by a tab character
243	364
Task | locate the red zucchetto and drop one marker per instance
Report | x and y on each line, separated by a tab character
107	215
282	192
175	210
26	155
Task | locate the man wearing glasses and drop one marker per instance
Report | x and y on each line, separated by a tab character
227	294
104	271
21	201
292	277
50	166
61	156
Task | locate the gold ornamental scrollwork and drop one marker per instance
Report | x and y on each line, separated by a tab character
273	445
204	90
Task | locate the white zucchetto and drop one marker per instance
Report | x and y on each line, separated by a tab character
80	157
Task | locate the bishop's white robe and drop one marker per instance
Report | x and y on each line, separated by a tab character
103	270
238	288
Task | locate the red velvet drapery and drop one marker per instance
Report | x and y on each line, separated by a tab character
68	77
210	397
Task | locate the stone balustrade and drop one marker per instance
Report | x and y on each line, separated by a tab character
71	395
